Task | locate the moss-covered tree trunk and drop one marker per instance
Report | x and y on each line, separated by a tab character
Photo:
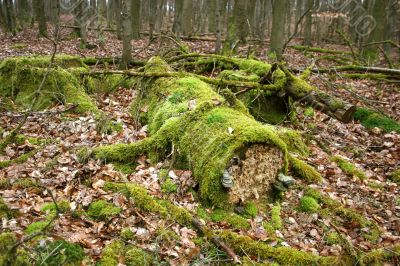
234	157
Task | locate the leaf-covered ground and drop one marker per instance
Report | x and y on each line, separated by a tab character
360	199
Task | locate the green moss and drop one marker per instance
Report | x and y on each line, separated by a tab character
18	258
395	176
244	245
145	202
111	253
294	141
126	234
21	159
348	167
166	236
125	168
5	211
203	214
135	256
116	251
236	221
239	76
63	207
103	210
20	77
332	238
331	207
309	204
305	171
36	227
60	252
370	120
276	220
23	183
168	186
250	210
215	118
376	185
19	46
309	111
4	183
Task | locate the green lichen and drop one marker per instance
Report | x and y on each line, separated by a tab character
371	119
102	210
305	171
348	167
309	204
234	220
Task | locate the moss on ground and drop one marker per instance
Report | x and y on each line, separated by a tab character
117	251
276	220
21	159
25	183
233	219
5	211
331	207
17	258
169	186
36	227
371	119
59	252
250	210
395	176
309	204
332	238
63	207
102	210
348	167
305	171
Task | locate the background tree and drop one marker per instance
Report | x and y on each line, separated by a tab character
40	17
278	25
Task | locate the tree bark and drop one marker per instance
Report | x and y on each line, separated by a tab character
41	17
278	26
126	34
135	13
11	20
187	17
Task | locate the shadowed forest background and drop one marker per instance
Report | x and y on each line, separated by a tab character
199	132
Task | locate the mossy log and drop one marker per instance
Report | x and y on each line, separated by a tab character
20	78
234	157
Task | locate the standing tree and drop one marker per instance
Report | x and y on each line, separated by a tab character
40	17
11	21
370	52
135	13
308	24
126	34
240	20
177	27
278	27
187	17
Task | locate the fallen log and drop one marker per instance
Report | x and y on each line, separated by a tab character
234	157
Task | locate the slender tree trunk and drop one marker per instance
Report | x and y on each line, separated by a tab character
152	17
187	17
308	23
278	26
370	53
11	20
211	14
218	43
126	34
135	13
102	11
118	18
41	17
177	27
240	21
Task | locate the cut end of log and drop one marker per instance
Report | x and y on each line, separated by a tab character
255	173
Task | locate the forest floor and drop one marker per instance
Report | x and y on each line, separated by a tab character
55	165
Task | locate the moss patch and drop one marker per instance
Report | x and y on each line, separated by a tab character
395	176
102	210
236	221
370	120
305	171
309	204
348	167
117	252
60	252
